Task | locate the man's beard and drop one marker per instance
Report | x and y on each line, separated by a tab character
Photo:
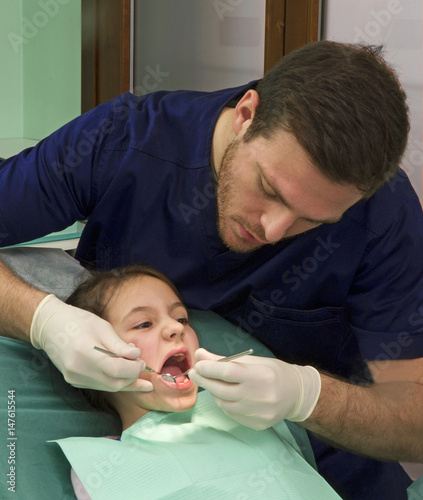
226	191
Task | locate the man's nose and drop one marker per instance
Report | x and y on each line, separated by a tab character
276	223
173	329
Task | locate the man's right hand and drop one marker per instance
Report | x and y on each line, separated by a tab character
68	334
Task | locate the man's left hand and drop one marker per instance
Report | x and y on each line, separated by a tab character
258	392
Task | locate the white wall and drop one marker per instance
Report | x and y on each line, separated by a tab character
398	25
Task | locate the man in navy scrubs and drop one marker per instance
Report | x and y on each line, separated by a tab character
279	205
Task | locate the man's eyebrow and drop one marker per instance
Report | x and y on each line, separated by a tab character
151	310
282	199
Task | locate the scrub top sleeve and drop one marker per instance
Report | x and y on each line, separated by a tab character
49	187
386	297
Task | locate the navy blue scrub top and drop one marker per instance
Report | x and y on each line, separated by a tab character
138	169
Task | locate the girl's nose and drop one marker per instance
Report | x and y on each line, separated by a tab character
173	329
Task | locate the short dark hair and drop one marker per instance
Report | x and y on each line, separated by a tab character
344	105
94	294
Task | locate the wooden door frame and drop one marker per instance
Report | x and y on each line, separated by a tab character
290	24
106	39
105	58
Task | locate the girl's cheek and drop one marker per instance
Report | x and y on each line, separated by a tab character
148	352
133	338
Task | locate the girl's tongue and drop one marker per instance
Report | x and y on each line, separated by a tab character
172	369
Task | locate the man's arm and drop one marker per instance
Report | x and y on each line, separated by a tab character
18	302
383	420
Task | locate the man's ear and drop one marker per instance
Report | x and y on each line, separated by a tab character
244	112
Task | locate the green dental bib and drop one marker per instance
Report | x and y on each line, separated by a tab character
201	453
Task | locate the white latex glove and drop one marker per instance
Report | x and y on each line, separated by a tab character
67	334
258	392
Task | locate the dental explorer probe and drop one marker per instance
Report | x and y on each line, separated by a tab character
168	376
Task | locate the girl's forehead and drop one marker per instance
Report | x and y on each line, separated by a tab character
141	291
147	285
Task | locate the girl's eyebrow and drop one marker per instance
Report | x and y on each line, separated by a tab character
151	310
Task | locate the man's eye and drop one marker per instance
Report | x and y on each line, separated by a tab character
145	324
184	321
269	196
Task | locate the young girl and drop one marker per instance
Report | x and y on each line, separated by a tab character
175	445
145	309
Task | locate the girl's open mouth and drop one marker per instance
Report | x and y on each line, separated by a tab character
176	365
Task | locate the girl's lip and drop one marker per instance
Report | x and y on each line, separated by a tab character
187	384
249	237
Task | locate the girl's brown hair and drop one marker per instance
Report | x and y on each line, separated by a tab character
95	293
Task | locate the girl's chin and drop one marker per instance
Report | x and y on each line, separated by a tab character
181	404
